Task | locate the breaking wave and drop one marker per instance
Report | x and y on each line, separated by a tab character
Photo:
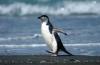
20	37
63	8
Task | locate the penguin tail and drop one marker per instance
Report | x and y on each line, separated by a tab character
64	50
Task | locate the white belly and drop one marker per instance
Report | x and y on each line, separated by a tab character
49	38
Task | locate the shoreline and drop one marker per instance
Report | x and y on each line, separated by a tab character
52	60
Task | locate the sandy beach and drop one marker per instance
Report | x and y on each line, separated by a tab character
49	60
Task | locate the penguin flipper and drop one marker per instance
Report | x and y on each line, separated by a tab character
60	31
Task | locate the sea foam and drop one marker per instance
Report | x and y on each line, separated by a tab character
20	37
44	45
63	8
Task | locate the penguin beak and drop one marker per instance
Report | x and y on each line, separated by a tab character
39	17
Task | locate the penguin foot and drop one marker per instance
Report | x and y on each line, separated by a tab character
49	51
54	55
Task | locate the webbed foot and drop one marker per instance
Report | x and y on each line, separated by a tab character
49	51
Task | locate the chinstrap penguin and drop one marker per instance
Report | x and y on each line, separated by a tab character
50	35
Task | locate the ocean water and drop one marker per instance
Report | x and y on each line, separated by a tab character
53	7
20	28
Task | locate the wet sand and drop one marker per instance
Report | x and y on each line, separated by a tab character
49	60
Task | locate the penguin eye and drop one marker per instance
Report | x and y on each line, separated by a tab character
44	18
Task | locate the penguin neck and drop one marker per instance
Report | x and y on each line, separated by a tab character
47	23
50	26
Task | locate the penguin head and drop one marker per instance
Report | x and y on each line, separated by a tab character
44	18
